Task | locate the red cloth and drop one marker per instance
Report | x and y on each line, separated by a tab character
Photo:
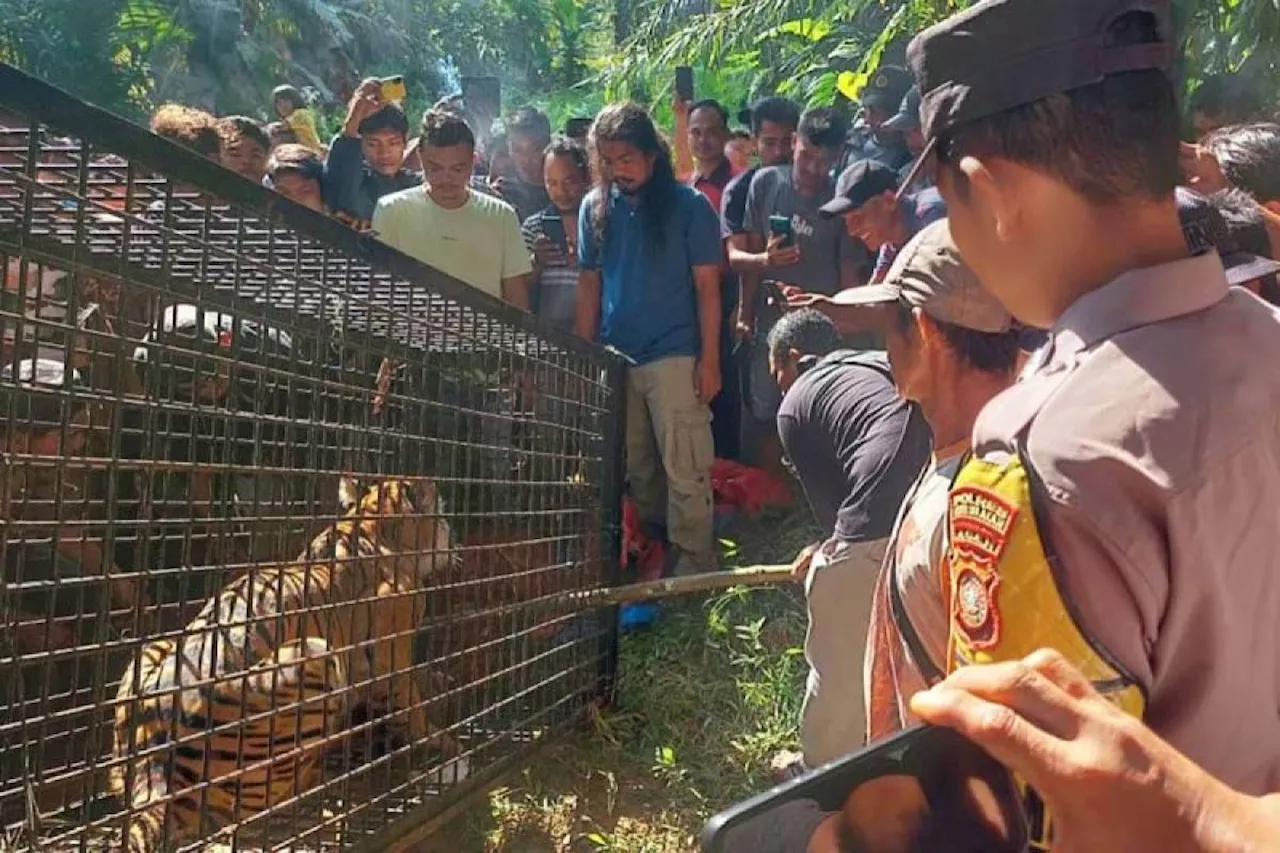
734	486
747	489
649	554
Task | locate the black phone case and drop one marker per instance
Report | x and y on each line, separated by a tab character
684	83
913	751
553	227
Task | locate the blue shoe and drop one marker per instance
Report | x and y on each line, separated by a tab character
640	614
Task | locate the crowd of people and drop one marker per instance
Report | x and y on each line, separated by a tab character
1011	331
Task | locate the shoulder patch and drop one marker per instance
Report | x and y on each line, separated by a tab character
980	524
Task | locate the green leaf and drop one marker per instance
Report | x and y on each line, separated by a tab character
850	83
809	28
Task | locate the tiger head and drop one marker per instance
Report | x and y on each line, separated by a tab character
408	516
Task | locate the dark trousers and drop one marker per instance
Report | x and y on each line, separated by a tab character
726	408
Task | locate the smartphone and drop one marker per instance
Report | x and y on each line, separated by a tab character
684	83
553	227
780	226
923	790
394	89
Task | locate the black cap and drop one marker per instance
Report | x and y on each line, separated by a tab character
1001	54
857	185
908	115
1205	230
886	87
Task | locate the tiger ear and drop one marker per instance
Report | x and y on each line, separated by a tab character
348	495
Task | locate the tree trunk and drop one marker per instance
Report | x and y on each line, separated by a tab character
621	21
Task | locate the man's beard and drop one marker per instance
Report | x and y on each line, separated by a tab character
628	188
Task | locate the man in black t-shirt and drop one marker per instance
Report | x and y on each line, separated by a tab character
773	128
857	448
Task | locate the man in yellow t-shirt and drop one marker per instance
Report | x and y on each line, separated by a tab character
443	223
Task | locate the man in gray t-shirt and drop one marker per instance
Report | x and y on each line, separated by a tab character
819	257
825	247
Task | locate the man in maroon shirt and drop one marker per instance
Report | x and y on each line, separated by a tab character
708	132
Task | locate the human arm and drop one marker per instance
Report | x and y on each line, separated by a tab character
681	155
366	101
706	280
758	254
704	251
739	245
803	560
515	289
517	270
586	320
1112	785
849	319
342	184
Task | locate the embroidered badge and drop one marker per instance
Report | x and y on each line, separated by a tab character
980	525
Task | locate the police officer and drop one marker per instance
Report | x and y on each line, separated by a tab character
1111	507
869	139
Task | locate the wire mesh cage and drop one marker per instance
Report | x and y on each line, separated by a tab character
291	522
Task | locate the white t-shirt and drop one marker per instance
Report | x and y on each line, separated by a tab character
479	243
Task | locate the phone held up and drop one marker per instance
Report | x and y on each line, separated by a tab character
393	89
553	227
923	790
684	83
780	226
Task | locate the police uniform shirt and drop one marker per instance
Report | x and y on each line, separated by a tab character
1151	427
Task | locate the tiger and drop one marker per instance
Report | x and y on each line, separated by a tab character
233	717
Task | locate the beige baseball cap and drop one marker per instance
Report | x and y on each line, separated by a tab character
930	275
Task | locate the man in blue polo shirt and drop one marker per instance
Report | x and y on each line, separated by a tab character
649	285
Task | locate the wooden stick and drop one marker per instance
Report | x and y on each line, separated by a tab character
686	585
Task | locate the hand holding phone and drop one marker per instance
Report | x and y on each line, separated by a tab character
781	250
392	89
780	227
553	227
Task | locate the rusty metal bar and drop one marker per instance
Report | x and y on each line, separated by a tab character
298	537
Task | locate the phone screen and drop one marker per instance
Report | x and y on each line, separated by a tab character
780	226
553	227
924	790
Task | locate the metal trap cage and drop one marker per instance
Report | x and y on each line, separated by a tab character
291	521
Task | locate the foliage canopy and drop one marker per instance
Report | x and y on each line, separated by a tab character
568	56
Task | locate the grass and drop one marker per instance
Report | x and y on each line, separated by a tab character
706	697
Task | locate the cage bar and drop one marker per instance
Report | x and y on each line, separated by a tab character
288	517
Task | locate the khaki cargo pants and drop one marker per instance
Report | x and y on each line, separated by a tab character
840	588
669	453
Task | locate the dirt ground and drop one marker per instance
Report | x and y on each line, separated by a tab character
706	697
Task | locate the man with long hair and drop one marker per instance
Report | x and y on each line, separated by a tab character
649	285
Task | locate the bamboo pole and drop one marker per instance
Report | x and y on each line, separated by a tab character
760	575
